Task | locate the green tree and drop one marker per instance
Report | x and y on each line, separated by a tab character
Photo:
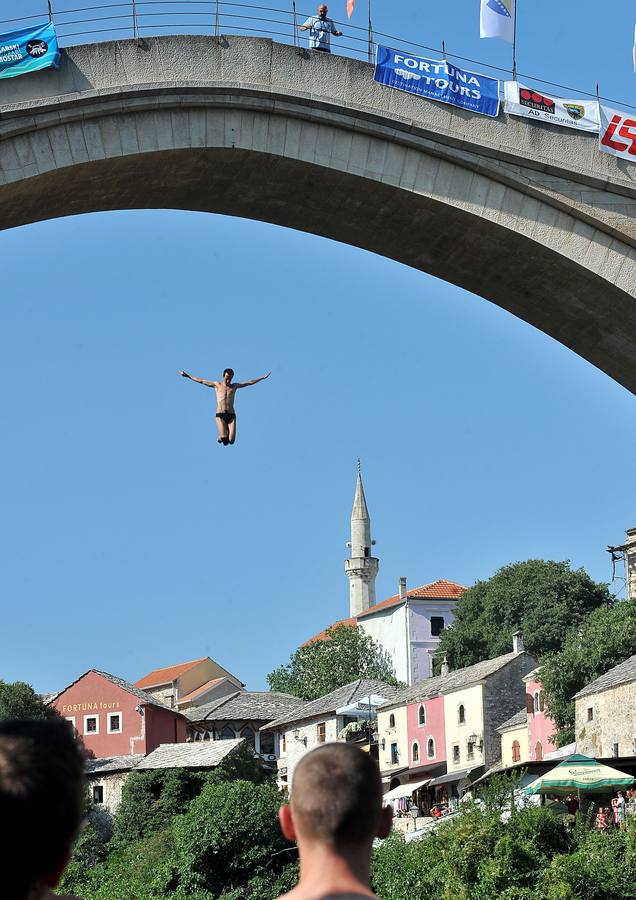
604	639
18	700
545	599
346	653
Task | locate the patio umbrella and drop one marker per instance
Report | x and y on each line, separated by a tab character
582	774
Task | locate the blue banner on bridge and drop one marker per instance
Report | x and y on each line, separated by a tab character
437	79
28	50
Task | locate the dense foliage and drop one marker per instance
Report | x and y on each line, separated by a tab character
536	855
346	653
545	599
604	639
18	700
181	834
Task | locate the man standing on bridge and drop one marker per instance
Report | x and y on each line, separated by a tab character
320	28
225	391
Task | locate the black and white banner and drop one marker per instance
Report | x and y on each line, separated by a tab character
525	101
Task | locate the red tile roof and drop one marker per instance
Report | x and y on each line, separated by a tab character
200	690
323	636
167	674
436	590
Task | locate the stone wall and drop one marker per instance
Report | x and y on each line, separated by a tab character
613	722
505	696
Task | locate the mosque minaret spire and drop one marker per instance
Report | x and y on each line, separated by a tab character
362	567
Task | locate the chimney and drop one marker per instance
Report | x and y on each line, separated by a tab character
630	563
402	584
517	642
445	668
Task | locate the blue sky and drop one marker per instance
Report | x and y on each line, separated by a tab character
131	540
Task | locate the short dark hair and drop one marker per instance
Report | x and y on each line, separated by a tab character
41	799
229	372
337	795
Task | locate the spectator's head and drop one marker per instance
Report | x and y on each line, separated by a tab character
322	10
336	800
228	375
41	803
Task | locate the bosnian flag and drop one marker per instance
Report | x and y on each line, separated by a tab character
497	19
350	5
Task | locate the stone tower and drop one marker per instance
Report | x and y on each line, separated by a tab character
361	568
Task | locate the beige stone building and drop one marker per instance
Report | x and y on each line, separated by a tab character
393	741
184	685
605	717
514	739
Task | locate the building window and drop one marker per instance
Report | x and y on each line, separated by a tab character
91	724
71	719
538	751
516	751
227	733
283	744
430	748
321	732
590	714
437	625
541	701
391	721
267	742
98	793
249	737
421	715
415	752
470	750
461	714
394	755
614	749
529	704
114	723
456	753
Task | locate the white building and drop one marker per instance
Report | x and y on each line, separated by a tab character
407	626
342	715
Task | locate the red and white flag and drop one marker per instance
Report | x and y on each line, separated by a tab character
350	6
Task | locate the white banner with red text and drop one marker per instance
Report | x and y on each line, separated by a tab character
618	133
525	101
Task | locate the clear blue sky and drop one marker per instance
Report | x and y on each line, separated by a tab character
131	540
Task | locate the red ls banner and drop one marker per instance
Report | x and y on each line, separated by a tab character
350	5
618	133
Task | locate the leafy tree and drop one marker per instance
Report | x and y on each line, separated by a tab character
346	653
228	836
606	638
545	599
18	700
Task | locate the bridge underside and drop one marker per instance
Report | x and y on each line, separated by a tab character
557	295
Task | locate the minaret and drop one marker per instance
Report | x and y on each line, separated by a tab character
361	568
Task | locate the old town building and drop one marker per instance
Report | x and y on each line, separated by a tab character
341	715
406	626
514	739
115	718
189	684
605	717
541	728
242	715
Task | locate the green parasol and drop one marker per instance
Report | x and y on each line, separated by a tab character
582	774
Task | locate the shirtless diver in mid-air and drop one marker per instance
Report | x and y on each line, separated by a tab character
225	391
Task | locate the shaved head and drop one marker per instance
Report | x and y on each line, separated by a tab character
337	795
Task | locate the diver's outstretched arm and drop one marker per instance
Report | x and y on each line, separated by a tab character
199	380
253	381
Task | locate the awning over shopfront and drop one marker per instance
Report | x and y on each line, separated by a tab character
405	790
459	775
364	707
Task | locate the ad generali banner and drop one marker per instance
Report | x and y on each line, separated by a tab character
521	100
618	133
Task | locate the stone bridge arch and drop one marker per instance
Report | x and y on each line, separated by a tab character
530	217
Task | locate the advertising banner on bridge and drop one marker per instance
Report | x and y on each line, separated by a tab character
618	133
525	101
28	50
437	79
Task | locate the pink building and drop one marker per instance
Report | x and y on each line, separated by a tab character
540	725
425	728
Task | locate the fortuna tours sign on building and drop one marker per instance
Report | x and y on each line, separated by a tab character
618	133
28	50
437	79
525	101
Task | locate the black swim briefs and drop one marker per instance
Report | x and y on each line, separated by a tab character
226	417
